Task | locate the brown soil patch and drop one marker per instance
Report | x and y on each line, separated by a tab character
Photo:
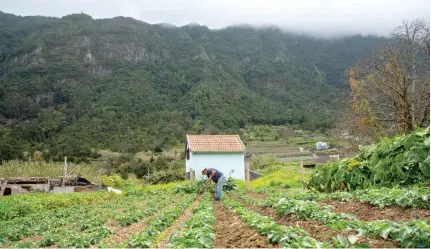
316	229
120	234
232	232
112	224
188	212
257	195
141	204
368	212
31	238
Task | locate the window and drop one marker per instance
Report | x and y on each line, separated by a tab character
188	154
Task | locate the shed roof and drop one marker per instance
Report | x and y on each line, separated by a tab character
215	143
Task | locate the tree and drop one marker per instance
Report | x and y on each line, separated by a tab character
390	89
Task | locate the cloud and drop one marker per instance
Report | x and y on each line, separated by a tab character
319	17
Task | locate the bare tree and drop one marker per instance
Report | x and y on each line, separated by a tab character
390	89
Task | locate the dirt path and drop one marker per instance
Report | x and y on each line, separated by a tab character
368	212
316	229
232	232
164	236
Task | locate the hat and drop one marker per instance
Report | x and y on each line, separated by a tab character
202	171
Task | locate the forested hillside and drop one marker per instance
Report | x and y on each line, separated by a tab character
74	83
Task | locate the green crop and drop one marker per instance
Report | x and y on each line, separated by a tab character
291	237
402	160
199	231
414	233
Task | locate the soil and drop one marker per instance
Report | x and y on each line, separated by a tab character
368	212
31	238
232	232
188	212
316	229
257	195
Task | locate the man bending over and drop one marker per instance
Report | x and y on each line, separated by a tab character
217	177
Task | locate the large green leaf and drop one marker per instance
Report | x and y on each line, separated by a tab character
425	167
343	240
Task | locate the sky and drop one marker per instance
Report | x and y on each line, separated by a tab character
317	17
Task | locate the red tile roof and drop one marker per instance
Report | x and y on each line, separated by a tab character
215	143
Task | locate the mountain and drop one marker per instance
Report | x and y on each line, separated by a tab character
74	83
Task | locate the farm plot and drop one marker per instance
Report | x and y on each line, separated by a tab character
412	233
179	220
396	204
79	226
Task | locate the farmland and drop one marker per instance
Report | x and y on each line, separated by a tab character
375	212
172	218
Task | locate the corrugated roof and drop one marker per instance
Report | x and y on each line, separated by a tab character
215	143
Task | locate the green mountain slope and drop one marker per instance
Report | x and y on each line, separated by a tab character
73	83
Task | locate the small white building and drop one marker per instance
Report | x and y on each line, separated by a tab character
321	146
222	152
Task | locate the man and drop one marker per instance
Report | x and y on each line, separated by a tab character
217	177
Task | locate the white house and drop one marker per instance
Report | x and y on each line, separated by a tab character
321	145
222	152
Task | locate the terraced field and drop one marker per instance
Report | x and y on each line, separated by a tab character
164	219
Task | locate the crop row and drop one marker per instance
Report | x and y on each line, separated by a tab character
77	226
148	237
198	231
415	196
92	230
22	205
291	237
414	233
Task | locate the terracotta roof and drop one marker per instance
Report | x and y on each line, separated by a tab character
215	143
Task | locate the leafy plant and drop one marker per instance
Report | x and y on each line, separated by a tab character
291	237
402	160
410	233
198	231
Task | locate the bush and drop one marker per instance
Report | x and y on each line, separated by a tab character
402	160
167	176
230	185
116	181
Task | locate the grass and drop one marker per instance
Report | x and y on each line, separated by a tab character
285	175
170	185
47	169
174	153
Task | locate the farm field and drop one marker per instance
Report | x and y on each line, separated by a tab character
351	203
173	219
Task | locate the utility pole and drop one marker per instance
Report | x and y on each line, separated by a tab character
63	183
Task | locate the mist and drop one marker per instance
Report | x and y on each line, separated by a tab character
323	18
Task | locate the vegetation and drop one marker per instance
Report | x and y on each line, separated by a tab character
401	160
200	225
88	220
291	237
410	234
73	85
147	238
23	205
17	168
86	223
416	196
390	89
